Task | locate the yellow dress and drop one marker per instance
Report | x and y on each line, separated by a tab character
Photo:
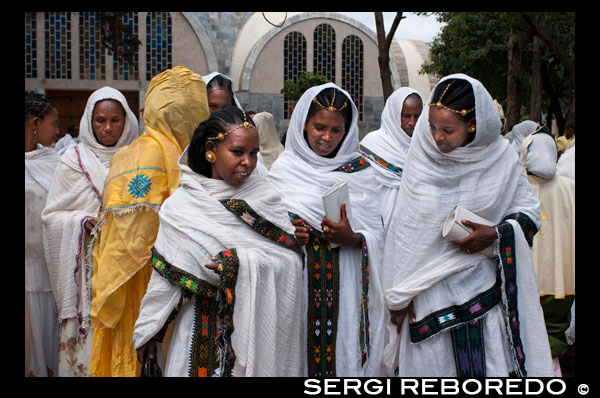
142	175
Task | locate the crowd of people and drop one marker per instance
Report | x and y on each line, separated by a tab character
201	246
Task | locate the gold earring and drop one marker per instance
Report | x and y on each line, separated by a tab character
211	157
471	129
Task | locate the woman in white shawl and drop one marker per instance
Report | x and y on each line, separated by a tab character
472	315
386	148
220	93
554	246
519	132
240	317
106	126
41	129
342	301
270	146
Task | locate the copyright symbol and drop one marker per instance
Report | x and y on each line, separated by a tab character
583	389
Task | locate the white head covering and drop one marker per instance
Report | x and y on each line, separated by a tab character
538	155
212	75
131	130
566	164
519	132
390	142
270	146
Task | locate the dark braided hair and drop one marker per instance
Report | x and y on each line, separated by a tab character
223	83
216	123
458	96
37	105
325	98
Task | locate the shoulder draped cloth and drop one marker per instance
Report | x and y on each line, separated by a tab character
74	199
487	178
142	175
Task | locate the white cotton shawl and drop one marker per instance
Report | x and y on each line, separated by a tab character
486	177
519	132
390	142
538	155
301	177
566	164
194	226
39	168
270	146
212	75
73	199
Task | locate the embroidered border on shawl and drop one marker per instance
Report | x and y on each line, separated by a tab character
318	253
455	315
527	225
96	192
211	351
380	161
469	349
355	165
261	225
508	271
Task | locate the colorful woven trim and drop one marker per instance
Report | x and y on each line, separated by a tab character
323	304
527	225
508	273
469	349
380	161
211	352
456	314
355	165
261	225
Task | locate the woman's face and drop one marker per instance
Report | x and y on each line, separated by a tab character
218	99
47	128
411	110
448	131
325	130
236	156
108	122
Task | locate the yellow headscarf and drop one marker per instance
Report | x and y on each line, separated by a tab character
142	175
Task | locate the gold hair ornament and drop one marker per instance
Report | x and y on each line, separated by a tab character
331	108
439	105
245	124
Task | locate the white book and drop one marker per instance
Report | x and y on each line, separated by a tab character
333	199
454	229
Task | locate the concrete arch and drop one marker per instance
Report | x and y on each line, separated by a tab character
207	47
264	39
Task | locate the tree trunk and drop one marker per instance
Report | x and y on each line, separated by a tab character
384	43
535	106
513	102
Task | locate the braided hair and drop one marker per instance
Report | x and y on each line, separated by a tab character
459	95
215	124
37	105
222	83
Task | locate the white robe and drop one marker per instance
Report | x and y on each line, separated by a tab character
301	177
194	226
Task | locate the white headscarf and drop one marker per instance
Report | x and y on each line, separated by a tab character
519	132
390	142
538	154
73	200
566	164
270	146
486	177
212	75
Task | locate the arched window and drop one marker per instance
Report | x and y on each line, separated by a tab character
57	43
30	45
158	43
125	70
324	51
92	63
352	70
294	62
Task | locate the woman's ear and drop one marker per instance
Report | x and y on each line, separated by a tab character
210	145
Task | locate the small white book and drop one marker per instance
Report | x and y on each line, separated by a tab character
333	199
454	229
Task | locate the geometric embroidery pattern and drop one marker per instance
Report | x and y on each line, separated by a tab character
355	165
469	349
139	186
380	161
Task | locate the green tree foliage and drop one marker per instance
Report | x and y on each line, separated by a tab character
293	90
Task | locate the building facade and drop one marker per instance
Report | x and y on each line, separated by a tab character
66	60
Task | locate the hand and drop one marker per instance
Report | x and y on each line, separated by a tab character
340	232
397	317
217	268
89	225
301	232
481	237
149	348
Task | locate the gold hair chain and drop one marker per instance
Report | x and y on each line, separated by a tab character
439	104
